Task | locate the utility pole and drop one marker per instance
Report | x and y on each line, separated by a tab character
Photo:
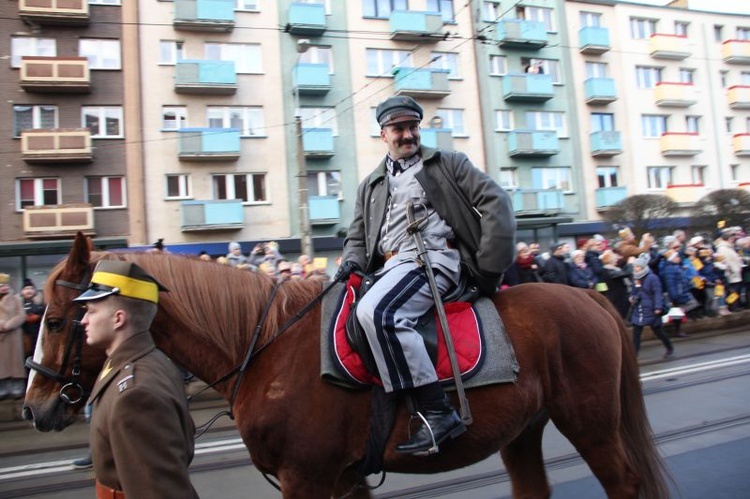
302	199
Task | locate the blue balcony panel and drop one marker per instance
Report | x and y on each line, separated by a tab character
416	26
517	33
422	83
312	79
209	144
532	143
205	77
527	87
593	40
204	15
307	19
538	201
606	197
599	91
605	143
437	138
318	142
324	210
217	214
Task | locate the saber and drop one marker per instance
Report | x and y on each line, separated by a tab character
414	229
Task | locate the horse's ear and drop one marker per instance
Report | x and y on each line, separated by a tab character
80	254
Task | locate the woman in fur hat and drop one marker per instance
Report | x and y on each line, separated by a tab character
12	317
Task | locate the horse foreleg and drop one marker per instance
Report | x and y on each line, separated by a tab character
525	463
352	485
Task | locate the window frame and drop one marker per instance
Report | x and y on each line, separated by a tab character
102	117
508	178
553	117
607	176
106	203
499	121
504	63
642	28
647	77
248	127
181	118
247	57
448	116
230	187
555	177
36	118
97	57
405	61
647	122
176	49
655	176
319	184
184	186
17	52
449	61
39	192
373	12
319	117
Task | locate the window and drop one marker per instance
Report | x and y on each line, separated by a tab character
681	28
382	8
104	122
687	75
381	62
728	124
491	10
540	14
498	65
249	120
590	19
102	54
547	120
608	176
723	78
653	125
320	117
22	45
698	174
647	77
743	33
602	122
641	29
453	119
745	78
324	184
659	177
508	178
735	172
173	117
31	117
37	192
249	187
246	56
445	7
548	67
692	124
718	36
178	186
504	121
596	69
170	52
318	55
551	178
251	5
105	192
446	60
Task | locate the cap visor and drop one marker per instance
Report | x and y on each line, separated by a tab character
94	294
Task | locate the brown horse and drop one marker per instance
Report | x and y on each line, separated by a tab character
578	369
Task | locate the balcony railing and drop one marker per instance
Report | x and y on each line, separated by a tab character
665	46
527	87
686	193
538	201
56	145
54	12
204	15
736	51
312	79
599	91
605	143
209	144
741	144
205	77
422	83
593	40
318	142
216	214
739	96
307	19
55	74
414	26
607	197
669	94
324	210
437	138
532	143
679	144
58	220
517	33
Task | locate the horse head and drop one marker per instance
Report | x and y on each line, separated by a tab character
64	367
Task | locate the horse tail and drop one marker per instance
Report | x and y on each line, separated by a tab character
635	429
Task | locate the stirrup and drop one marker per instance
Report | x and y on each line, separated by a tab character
434	449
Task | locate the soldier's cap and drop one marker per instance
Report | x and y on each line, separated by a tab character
398	109
114	277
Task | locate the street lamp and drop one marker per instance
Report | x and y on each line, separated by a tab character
304	215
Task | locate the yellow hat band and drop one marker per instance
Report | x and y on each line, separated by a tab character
132	288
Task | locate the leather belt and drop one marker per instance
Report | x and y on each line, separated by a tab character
104	492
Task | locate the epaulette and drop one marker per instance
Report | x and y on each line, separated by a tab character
128	379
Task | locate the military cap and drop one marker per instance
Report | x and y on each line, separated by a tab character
397	109
114	277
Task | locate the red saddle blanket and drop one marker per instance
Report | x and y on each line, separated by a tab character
463	322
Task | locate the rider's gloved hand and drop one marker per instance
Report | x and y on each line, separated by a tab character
346	269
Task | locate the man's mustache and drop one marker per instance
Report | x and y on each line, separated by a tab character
406	142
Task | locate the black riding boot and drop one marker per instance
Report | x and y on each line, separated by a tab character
439	422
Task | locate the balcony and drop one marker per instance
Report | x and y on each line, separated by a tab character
605	143
538	201
205	77
672	47
527	87
669	94
215	214
204	15
741	144
307	19
54	12
599	91
531	143
56	145
312	79
593	40
209	144
739	96
517	33
58	220
414	26
736	51
324	210
686	193
317	143
55	74
422	83
679	144
607	197
437	138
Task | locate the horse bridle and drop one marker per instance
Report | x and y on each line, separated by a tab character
72	391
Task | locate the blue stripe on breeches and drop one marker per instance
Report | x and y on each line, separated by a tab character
388	313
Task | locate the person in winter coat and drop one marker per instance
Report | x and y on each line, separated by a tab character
580	275
733	261
555	268
33	305
677	286
628	247
12	317
526	266
618	282
647	304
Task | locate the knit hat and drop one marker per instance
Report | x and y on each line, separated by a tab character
234	245
4	279
642	263
695	241
28	282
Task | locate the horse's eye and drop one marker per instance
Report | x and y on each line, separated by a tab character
55	325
